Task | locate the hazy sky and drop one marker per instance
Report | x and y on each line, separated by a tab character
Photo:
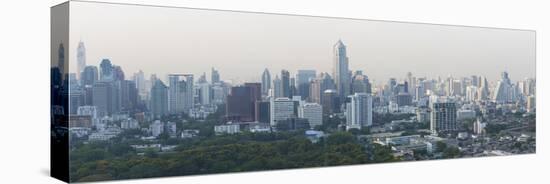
240	45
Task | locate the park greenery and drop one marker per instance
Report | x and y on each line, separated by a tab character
208	153
220	154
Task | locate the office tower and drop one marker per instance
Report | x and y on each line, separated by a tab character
263	111
411	84
176	94
256	90
215	76
474	80
472	93
330	101
404	99
277	87
281	109
503	91
443	115
89	75
360	83
531	103
527	86
318	85
204	95
219	93
159	99
76	99
483	93
80	59
240	104
303	78
139	79
104	97
266	82
189	101
118	73
313	112
285	84
359	111
315	91
202	78
293	89
179	93
106	70
341	70
455	87
420	92
128	95
391	89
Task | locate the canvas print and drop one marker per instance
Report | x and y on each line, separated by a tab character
148	91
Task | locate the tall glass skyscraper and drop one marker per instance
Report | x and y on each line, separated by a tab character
80	58
266	82
341	72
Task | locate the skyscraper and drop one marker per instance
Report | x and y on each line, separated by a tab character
215	76
359	111
503	91
106	70
179	93
360	83
139	79
189	92
128	95
303	78
104	98
176	94
285	84
240	104
313	112
159	99
277	87
266	82
205	95
443	115
281	110
89	75
330	101
318	85
80	58
341	71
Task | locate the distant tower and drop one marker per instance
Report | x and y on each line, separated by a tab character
215	76
443	115
80	58
503	91
303	78
106	70
266	82
286	85
159	99
359	111
277	87
89	75
341	72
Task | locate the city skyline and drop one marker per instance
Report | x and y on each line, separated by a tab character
373	46
188	91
